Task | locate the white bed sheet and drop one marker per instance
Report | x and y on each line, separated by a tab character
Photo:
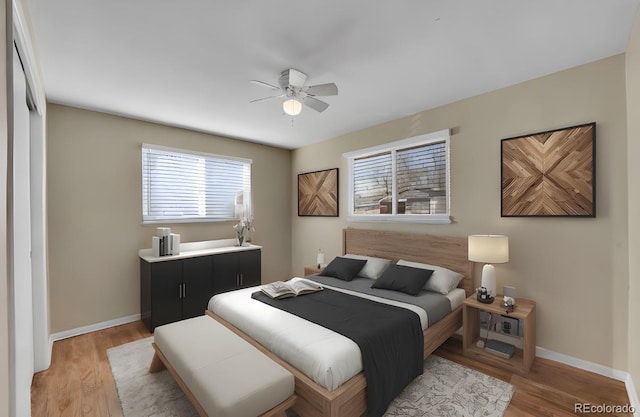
326	357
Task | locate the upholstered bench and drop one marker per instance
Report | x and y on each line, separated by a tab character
220	373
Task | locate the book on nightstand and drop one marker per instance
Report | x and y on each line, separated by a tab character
504	350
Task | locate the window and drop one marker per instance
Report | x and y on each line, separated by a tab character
407	180
186	186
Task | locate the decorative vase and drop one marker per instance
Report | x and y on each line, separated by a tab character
240	239
248	230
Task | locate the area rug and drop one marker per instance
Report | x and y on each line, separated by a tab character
445	389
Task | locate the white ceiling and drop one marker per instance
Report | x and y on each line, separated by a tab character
188	63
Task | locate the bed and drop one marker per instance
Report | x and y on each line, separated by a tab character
345	395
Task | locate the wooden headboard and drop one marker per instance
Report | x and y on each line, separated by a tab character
448	252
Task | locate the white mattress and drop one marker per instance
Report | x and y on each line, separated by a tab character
326	357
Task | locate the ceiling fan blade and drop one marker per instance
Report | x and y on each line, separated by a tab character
266	98
315	104
273	87
297	78
329	89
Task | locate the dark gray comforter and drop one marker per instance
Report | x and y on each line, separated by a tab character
389	337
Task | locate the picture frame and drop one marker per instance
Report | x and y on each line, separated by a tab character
550	173
318	193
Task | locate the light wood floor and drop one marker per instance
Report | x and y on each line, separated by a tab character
550	389
79	381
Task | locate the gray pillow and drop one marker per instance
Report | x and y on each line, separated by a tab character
374	267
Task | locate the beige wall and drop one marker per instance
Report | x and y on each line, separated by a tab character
633	132
576	269
95	210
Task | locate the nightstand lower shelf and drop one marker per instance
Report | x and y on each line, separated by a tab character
522	359
514	364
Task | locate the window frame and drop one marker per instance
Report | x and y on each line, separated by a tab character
393	147
146	220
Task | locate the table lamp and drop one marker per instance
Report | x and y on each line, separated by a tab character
320	259
490	249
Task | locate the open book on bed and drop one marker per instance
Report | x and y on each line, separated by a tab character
281	289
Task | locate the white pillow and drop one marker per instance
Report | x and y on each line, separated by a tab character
442	280
374	267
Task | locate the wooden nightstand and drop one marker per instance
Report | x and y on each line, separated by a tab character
311	270
525	310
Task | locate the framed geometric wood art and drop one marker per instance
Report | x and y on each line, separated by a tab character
550	174
318	193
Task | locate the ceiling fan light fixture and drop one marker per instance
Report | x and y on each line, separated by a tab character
295	93
292	107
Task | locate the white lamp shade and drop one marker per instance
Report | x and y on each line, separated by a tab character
320	258
491	249
292	107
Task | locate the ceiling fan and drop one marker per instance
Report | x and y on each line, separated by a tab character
292	87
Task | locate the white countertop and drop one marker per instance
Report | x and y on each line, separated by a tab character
194	249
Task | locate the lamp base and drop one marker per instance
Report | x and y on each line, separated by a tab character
489	280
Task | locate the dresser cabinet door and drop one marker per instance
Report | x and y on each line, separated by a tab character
225	272
235	270
166	304
250	268
198	289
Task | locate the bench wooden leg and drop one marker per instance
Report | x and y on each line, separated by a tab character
156	364
280	410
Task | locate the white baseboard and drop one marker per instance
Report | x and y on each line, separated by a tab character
597	369
581	364
93	327
633	395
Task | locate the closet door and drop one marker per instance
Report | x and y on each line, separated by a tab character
21	304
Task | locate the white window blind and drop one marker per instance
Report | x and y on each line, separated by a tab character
180	185
404	180
372	183
421	178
